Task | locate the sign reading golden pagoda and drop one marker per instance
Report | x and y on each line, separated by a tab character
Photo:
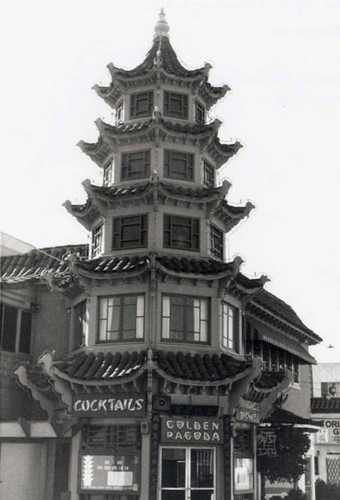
192	430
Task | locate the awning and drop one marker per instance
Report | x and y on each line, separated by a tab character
282	341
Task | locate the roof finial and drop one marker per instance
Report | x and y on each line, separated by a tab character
162	27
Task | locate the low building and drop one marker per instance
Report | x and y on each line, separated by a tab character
143	370
325	407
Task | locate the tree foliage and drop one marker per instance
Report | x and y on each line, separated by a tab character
289	464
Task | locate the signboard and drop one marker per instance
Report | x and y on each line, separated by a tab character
111	405
192	430
330	433
266	443
248	411
111	473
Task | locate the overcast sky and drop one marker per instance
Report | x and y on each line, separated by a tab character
281	59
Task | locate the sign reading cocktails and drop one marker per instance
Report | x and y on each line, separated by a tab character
110	405
192	430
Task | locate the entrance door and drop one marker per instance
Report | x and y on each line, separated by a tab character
187	474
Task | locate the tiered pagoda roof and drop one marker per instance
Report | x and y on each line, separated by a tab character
154	128
161	63
101	198
62	265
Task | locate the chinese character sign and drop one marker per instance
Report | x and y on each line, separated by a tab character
266	443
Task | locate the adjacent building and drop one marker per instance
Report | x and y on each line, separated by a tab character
142	367
325	407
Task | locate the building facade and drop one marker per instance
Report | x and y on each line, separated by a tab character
325	407
142	367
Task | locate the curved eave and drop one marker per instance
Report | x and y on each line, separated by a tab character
303	335
245	291
99	382
198	383
187	197
107	272
86	214
210	94
111	94
121	194
145	131
197	276
221	153
230	215
99	152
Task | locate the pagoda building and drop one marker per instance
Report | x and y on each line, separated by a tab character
167	357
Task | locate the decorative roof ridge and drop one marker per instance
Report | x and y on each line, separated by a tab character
190	268
141	124
35	264
234	211
184	368
225	148
111	267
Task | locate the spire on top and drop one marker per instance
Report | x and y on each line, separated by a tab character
162	27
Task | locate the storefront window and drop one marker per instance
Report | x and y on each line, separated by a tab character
244	474
188	473
110	462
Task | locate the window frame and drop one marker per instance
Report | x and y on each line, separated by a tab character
135	101
169	168
119	118
97	240
126	171
188	488
19	336
200	113
107	174
169	228
121	318
141	237
169	98
80	324
208	170
230	340
186	306
216	247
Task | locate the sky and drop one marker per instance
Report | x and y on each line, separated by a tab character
281	60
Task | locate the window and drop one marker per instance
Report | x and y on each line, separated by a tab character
118	438
141	104
121	318
135	165
208	175
80	324
185	318
181	232
178	165
15	329
216	242
176	105
188	473
107	175
119	113
229	326
130	232
97	240
275	358
244	474
199	113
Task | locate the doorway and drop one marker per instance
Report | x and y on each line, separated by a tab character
187	473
